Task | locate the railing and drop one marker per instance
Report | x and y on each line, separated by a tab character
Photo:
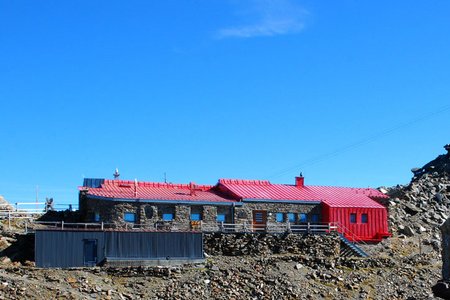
350	235
205	227
271	228
200	226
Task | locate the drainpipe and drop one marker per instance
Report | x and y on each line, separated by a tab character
232	213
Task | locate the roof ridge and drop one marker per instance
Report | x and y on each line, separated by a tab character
244	181
125	183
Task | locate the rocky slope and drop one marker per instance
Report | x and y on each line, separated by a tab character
419	208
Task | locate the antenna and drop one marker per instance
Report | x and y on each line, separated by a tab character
165	177
116	174
37	197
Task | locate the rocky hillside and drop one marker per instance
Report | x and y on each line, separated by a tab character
403	275
419	208
4	205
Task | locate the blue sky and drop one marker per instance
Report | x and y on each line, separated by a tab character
351	93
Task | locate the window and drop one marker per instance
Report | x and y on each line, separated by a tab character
195	217
220	218
364	218
129	217
279	217
352	218
196	213
315	218
291	217
223	214
166	213
167	216
96	217
303	218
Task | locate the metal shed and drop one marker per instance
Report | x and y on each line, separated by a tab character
81	248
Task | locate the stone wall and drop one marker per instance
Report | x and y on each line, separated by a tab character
235	244
245	213
151	214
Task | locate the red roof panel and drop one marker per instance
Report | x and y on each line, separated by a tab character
124	189
333	196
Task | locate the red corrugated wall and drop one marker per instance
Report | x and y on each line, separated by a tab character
375	228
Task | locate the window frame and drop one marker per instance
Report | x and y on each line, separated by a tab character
126	216
290	217
221	217
196	213
167	217
353	218
196	217
364	218
279	217
303	218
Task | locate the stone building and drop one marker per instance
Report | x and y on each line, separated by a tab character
256	205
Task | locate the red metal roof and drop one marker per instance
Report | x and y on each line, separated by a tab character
126	189
332	196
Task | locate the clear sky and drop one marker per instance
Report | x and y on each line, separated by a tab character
351	93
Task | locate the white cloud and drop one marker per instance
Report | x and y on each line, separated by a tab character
270	18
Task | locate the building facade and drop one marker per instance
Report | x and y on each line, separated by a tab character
255	205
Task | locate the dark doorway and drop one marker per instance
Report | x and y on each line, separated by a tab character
259	220
90	253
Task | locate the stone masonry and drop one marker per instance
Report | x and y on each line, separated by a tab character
149	215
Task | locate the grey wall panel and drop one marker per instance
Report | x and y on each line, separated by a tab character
64	249
154	245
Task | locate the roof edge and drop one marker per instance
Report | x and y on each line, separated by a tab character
282	201
140	200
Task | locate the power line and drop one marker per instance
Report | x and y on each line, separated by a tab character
320	158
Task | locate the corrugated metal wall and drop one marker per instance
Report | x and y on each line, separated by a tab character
155	245
376	223
65	249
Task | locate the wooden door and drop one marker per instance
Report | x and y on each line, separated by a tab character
259	220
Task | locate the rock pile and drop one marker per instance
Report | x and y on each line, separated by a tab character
4	205
420	207
261	244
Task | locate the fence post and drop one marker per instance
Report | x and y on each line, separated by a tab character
309	228
102	225
26	227
62	225
9	220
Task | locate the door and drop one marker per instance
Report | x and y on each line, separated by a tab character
259	220
90	253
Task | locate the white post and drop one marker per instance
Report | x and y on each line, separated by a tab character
102	225
62	225
9	219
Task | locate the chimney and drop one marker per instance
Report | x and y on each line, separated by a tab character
300	181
